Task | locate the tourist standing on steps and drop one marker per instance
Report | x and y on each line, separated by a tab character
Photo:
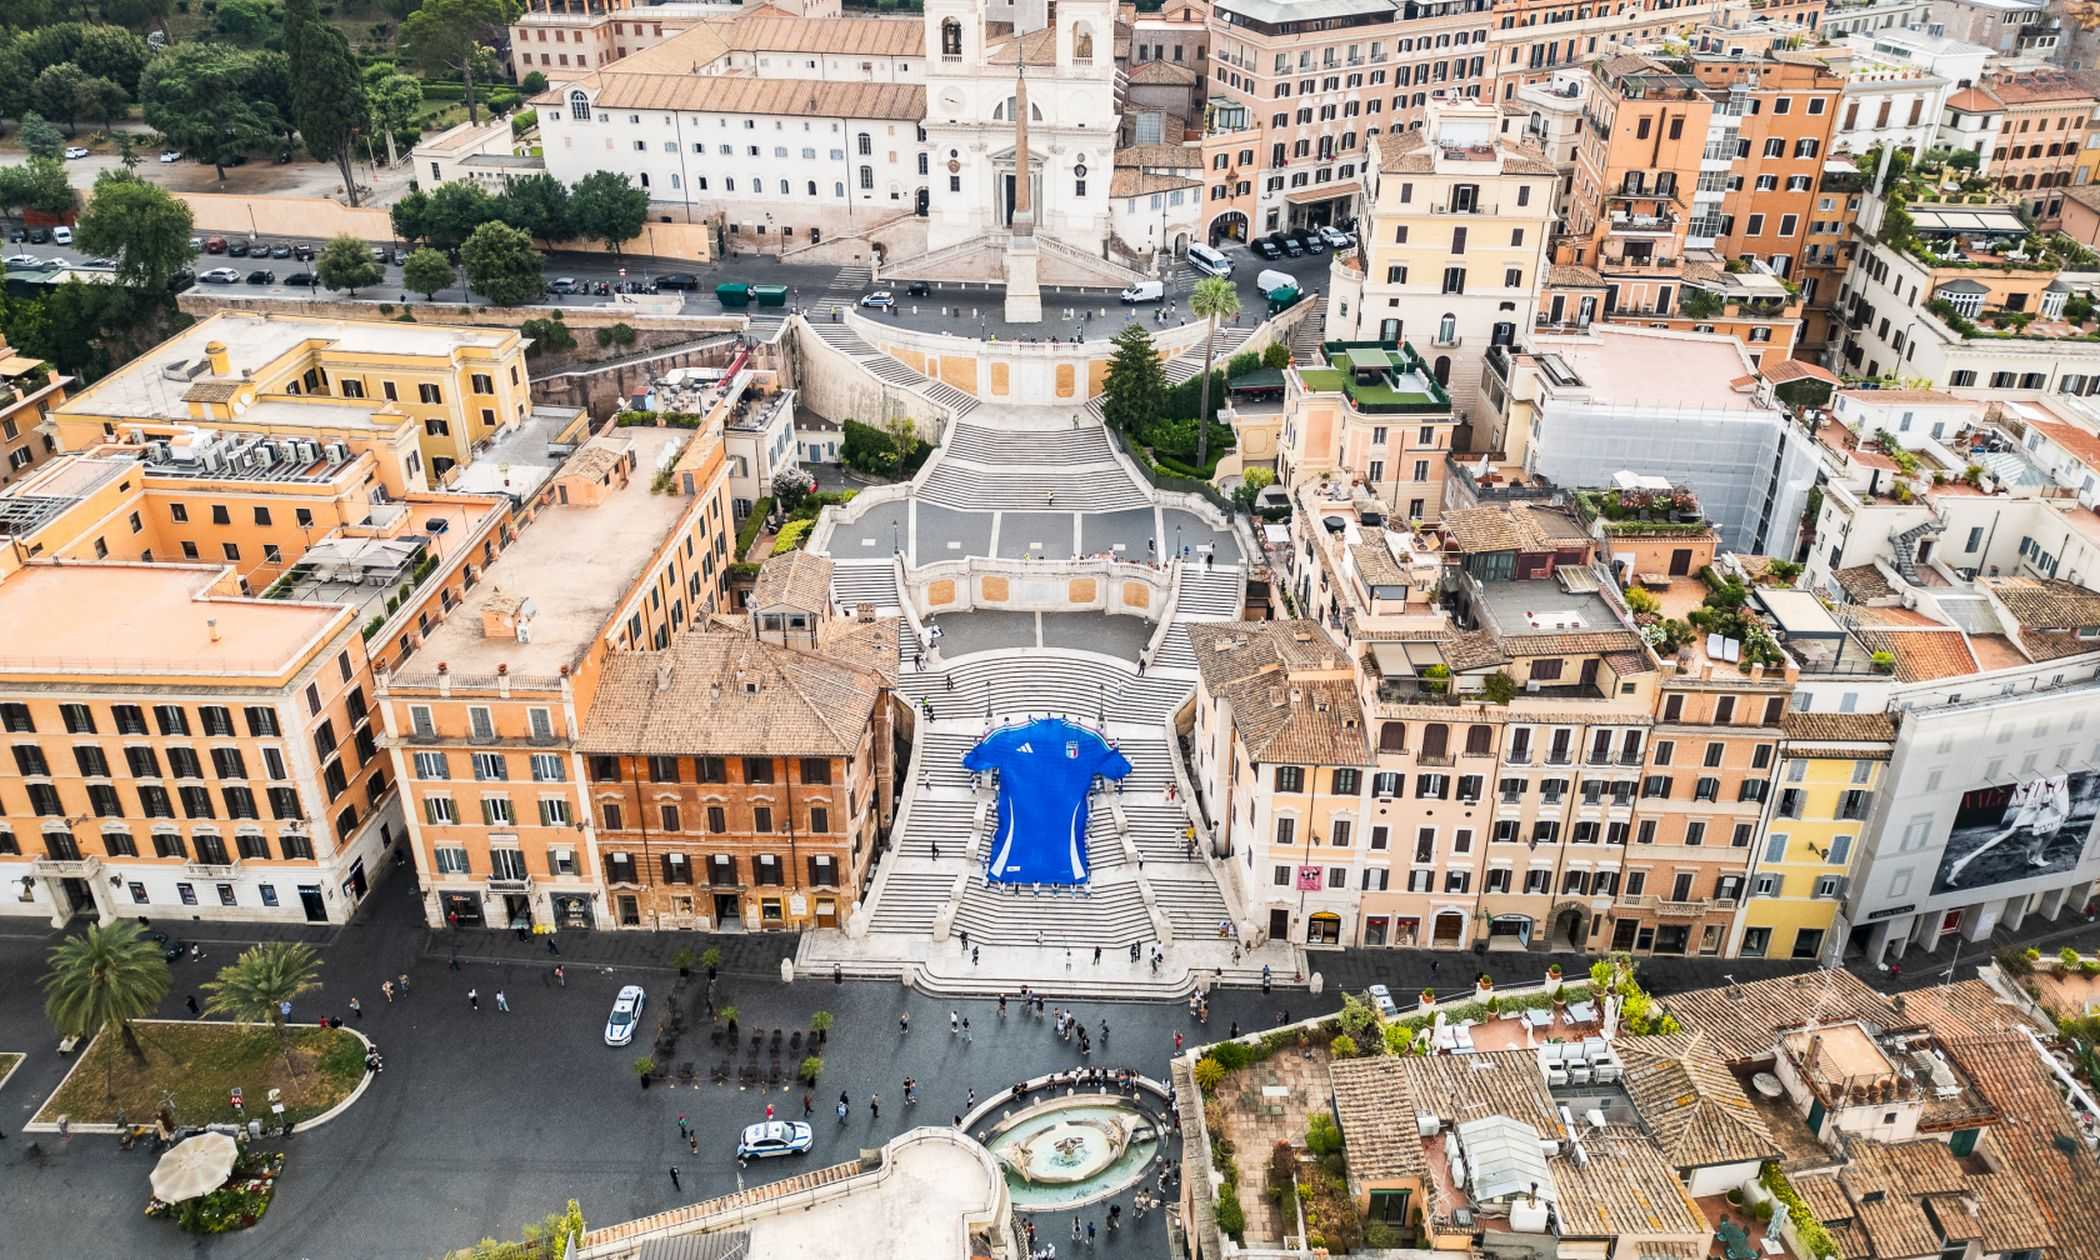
903	1023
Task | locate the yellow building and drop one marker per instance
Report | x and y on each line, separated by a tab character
29	389
1830	765
429	394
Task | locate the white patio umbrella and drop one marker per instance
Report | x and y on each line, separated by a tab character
196	1167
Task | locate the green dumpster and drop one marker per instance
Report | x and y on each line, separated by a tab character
770	294
1281	299
733	295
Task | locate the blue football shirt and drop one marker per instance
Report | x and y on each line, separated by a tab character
1045	769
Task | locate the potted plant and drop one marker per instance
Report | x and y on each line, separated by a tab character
820	1026
644	1068
712	960
1429	999
727	1018
1553	978
1484	986
812	1067
683	960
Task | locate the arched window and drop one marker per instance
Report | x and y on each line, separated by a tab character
865	144
1480	740
838	189
1443	369
867	179
579	106
922	164
812	188
951	38
1435	739
1083	44
1447	329
1392	737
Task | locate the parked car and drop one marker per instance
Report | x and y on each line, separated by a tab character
238	249
626	1015
382	255
304	253
1267	248
1290	245
1382	998
300	279
221	275
170	157
40	236
678	280
61	235
1309	239
262	277
776	1137
281	249
98	261
1143	291
1336	238
918	288
18	235
75	152
196	244
562	284
881	300
215	245
22	262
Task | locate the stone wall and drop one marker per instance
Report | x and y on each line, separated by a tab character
1110	586
229	214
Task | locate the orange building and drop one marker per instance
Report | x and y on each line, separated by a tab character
485	719
28	391
2041	136
1532	38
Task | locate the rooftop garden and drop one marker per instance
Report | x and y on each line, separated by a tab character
1635	512
1378	377
1725	611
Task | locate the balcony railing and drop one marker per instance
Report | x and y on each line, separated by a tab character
523	885
1681	909
1470	208
1641	224
67	868
212	870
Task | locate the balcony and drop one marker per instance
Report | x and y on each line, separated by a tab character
1657	195
1637	262
499	885
1435	759
212	870
1643	224
1681	909
1473	207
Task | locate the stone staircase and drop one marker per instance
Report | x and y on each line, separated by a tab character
866	581
1041	488
1211	593
1189	365
842	338
981	445
958	403
1311	331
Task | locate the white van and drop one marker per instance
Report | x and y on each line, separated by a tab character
1209	261
1144	291
62	235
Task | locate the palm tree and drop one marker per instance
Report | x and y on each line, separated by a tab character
104	978
259	984
1213	299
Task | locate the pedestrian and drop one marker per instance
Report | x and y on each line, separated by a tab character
357	1008
966	1028
809	1104
675	1183
552	948
936	851
874	1106
683	1127
1141	665
954	1023
904	1023
1089	1233
842	1111
1002	1006
692	1143
1235	1034
1097	955
769	1111
404	984
387	987
966	941
958	1119
1068	958
191	1002
502	1002
1104	1034
970	1104
1177	1043
1075	1230
1115	1216
474	998
974	953
561	976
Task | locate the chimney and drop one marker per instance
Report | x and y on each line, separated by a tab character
215	351
211	627
507	616
663	676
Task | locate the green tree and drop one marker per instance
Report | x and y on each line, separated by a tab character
40	138
426	271
1212	299
346	264
101	99
533	83
251	22
392	101
15	78
502	265
56	93
607	206
27	15
1135	386
142	226
550	1237
455	210
259	984
103	979
40	184
97	48
446	36
540	205
215	102
1252	483
138	13
127	145
411	216
328	96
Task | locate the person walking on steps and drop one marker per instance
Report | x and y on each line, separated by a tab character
675	1183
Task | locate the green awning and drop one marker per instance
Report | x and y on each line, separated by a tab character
1369	359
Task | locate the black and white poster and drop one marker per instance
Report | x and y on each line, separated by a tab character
2019	831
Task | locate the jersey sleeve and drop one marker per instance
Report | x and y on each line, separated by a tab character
1110	763
987	755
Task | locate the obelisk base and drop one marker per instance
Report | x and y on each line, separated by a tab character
1024	296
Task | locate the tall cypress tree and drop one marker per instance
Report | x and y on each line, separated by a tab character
328	94
1134	389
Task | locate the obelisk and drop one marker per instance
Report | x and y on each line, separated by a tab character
1024	295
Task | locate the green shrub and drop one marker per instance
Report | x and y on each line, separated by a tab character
1344	1046
791	536
747	530
1231	1217
1323	1137
1208	1073
1232	1055
1278	355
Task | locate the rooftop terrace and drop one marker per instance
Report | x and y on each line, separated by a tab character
1379	378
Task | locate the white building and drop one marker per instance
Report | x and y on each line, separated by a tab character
1890	104
1924	49
1155	199
1840	20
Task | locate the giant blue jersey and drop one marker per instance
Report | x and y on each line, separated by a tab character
1045	769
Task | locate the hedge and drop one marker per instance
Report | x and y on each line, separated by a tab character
747	533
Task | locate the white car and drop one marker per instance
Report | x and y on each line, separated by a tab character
626	1014
221	275
777	1137
881	300
61	236
75	152
23	262
1336	237
1382	998
170	158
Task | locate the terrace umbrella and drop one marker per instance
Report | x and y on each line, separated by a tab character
196	1167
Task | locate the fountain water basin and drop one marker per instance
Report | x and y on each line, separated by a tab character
1064	1152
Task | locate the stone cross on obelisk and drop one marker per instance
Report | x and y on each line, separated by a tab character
1024	294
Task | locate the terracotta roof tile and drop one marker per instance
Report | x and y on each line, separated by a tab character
1837	726
2082	445
1922	655
715	691
2045	603
2036	1138
798	579
1280	718
1743	1019
1691	1102
1863	583
1623	1189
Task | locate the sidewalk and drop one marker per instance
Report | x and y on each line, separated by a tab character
743	953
